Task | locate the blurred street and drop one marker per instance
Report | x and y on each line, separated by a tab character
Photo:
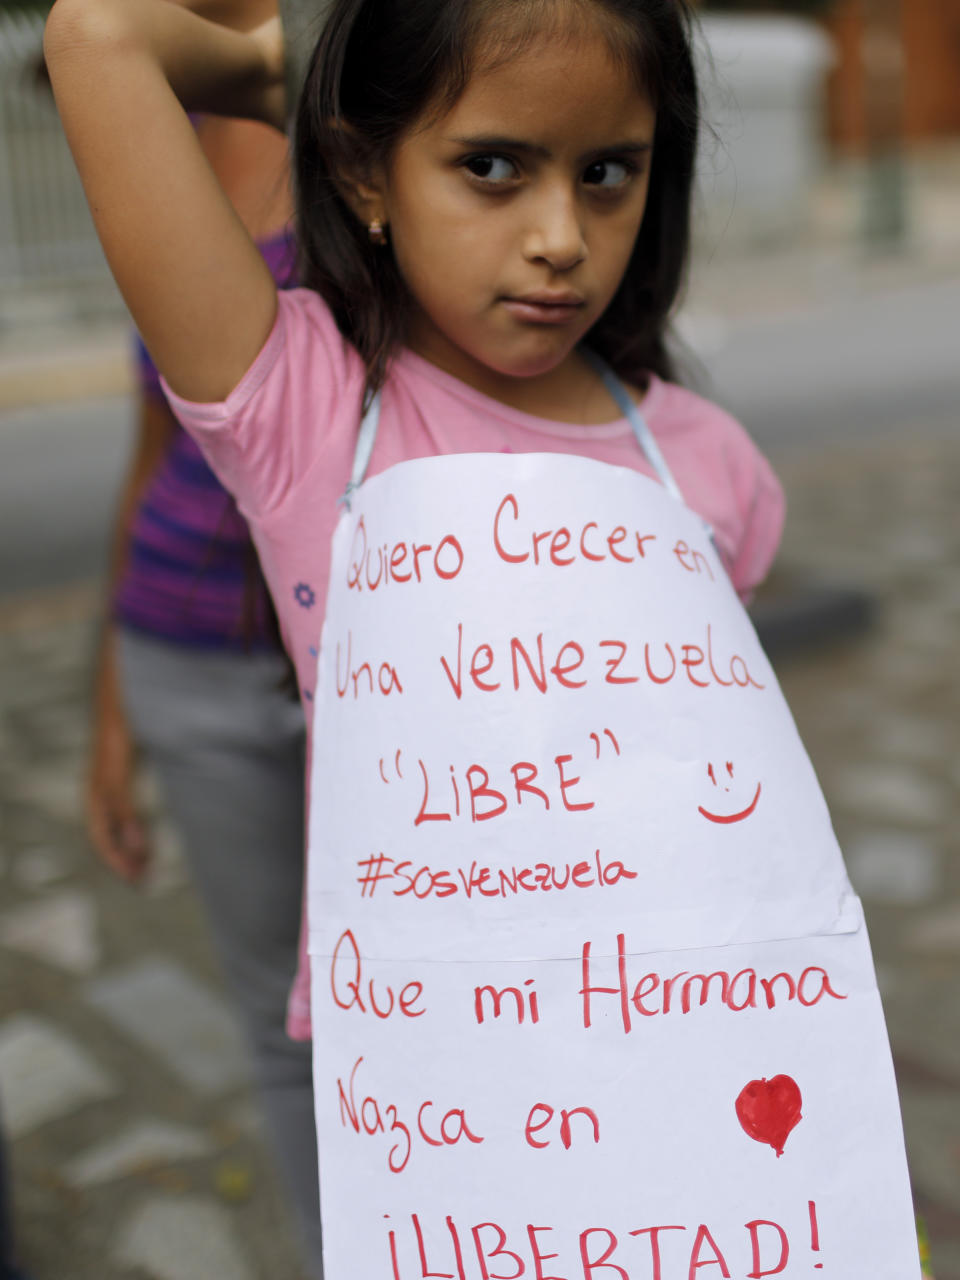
135	1148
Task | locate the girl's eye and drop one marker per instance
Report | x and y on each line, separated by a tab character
491	169
607	174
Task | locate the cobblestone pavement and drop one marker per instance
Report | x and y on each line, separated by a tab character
880	715
135	1145
134	1142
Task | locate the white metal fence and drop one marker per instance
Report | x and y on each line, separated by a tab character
46	235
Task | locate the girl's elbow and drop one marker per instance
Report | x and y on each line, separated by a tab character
75	29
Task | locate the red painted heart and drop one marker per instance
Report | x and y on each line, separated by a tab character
769	1110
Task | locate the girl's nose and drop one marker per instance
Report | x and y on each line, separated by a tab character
555	233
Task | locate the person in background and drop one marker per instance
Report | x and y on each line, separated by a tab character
191	674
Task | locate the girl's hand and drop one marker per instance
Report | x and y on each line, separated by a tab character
269	40
114	826
198	289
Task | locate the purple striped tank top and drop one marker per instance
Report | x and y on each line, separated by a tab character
191	574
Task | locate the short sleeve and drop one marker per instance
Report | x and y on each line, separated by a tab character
264	439
724	478
762	508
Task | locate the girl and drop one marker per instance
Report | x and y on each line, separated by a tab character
462	234
488	193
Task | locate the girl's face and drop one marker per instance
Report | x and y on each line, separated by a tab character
513	215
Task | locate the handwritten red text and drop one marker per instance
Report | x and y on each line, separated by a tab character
376	677
350	991
481	801
665	1251
533	662
487	882
516	543
681	992
370	568
370	1116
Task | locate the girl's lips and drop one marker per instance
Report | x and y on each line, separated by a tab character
544	310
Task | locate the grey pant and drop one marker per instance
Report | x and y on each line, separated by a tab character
227	745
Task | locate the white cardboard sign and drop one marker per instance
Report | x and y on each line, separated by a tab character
592	996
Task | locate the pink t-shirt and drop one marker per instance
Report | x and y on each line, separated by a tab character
283	442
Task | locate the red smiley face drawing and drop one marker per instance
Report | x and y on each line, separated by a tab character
726	818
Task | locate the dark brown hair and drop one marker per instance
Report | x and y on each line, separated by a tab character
381	65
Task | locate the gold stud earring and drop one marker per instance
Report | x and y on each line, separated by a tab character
377	232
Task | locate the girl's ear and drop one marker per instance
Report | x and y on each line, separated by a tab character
360	181
364	197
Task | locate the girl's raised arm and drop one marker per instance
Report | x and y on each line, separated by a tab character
123	72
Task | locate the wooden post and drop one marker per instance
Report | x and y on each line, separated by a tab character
882	63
